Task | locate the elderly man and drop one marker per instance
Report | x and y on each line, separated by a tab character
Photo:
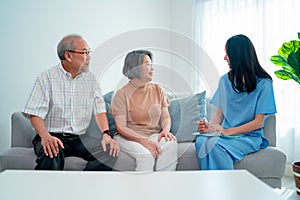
60	108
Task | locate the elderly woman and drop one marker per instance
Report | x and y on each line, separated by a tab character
140	110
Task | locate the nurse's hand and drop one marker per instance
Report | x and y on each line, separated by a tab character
203	126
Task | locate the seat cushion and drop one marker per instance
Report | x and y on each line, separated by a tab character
124	162
187	159
261	163
24	158
266	163
18	158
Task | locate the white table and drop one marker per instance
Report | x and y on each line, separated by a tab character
181	185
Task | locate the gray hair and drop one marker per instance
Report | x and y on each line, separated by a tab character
133	62
66	44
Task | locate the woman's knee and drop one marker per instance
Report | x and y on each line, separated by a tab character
145	157
172	145
145	162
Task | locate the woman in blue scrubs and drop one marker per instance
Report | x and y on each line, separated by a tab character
243	99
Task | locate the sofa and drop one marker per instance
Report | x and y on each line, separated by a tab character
268	164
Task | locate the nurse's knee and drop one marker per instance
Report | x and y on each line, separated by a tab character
199	142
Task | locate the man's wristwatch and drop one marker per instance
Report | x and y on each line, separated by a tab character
108	133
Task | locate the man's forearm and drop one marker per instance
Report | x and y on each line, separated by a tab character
39	125
102	121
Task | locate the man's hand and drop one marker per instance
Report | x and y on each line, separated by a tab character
167	135
51	145
113	144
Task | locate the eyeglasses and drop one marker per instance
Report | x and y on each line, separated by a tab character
85	52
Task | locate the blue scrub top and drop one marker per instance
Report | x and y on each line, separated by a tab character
240	108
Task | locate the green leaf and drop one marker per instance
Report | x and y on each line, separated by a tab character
296	78
289	69
289	47
279	60
289	60
294	61
284	75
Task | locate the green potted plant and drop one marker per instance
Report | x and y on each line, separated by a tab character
289	61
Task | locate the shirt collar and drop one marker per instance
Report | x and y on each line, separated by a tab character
68	74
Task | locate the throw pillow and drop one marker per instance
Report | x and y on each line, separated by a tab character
111	122
185	113
93	128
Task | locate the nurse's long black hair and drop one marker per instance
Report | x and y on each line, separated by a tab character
244	64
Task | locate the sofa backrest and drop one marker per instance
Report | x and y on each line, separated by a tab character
23	132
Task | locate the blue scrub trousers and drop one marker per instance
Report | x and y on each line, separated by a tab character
219	153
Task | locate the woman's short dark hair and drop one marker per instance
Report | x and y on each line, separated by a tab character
133	62
66	44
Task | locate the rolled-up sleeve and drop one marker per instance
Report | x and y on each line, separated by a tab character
38	102
99	103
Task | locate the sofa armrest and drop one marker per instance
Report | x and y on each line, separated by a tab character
22	132
270	129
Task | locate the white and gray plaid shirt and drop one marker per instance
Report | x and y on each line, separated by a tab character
66	104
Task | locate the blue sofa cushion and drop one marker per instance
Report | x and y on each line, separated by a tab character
111	122
93	128
185	113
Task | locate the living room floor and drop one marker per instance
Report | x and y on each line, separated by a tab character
288	190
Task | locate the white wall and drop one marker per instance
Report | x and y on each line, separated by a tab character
30	31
